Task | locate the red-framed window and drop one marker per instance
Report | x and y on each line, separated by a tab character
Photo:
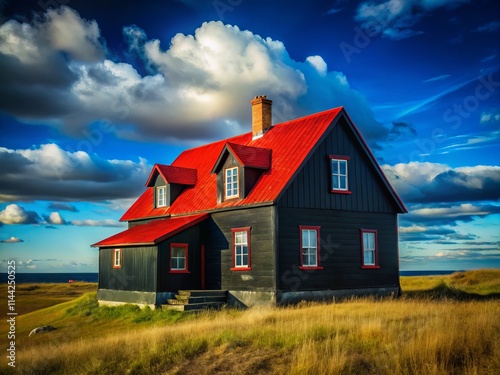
117	258
369	248
179	258
241	249
339	169
310	248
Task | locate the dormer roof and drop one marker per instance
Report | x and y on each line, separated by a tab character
172	175
247	156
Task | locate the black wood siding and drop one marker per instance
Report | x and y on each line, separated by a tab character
340	247
219	257
171	282
137	272
311	188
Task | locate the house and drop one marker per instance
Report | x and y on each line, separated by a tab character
296	211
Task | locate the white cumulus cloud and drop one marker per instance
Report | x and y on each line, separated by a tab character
14	214
198	89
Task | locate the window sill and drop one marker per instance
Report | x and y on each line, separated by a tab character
370	267
179	271
241	269
348	192
305	268
116	267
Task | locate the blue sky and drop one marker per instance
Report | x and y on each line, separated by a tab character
93	93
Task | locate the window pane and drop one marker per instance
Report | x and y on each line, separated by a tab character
181	264
343	167
312	258
335	182
305	238
369	257
335	167
343	182
312	238
305	258
369	241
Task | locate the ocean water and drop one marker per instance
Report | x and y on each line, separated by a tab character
92	277
51	277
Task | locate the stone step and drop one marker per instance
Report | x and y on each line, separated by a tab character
203	293
187	299
194	306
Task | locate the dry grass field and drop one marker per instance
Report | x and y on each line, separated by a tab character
441	325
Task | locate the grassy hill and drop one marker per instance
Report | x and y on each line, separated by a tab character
442	325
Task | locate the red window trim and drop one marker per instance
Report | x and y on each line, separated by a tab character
233	250
318	248
114	256
370	266
340	157
186	252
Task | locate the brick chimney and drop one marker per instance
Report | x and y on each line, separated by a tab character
262	115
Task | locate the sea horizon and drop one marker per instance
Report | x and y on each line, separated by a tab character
65	277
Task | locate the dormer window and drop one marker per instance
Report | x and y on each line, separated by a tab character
161	200
168	182
238	169
231	183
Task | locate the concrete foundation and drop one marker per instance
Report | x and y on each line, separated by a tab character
286	298
242	299
111	297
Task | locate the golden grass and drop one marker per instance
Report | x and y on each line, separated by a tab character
31	297
358	336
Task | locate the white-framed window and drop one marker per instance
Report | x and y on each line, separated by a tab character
369	249
161	199
231	182
178	257
241	249
339	170
309	247
117	258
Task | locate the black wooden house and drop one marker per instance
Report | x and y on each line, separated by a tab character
296	211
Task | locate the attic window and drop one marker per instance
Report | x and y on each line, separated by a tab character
231	183
161	200
339	174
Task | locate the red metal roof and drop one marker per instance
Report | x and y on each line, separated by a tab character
172	175
152	232
248	156
290	142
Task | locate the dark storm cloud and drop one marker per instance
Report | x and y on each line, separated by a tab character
433	183
65	176
439	216
402	129
61	206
